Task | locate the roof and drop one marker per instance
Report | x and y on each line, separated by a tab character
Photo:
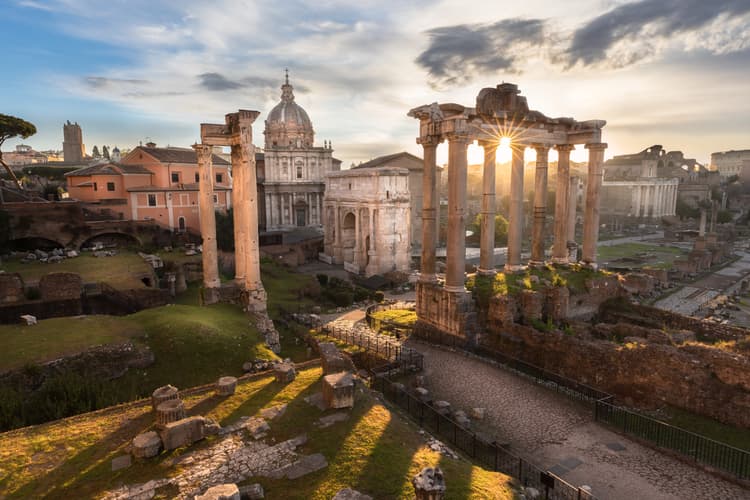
384	160
192	186
109	169
178	155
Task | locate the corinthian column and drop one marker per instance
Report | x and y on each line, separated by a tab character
560	246
211	282
238	195
487	245
591	217
515	224
540	205
429	208
456	251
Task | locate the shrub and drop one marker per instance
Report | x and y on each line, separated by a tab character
361	294
322	279
379	296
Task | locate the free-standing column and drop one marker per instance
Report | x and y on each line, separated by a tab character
515	212
540	205
487	246
560	246
252	240
238	184
211	282
591	217
638	200
572	206
429	208
456	251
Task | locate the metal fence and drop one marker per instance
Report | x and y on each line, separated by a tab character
378	345
703	450
491	455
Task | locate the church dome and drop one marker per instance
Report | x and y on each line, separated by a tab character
287	124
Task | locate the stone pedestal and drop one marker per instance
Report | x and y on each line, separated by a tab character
170	411
338	390
226	386
162	394
446	311
284	372
429	484
146	445
531	305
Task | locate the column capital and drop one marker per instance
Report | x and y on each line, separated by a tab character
596	146
429	140
539	147
565	148
204	152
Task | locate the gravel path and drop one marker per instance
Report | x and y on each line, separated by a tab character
560	435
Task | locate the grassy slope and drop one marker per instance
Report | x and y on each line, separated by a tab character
122	271
374	451
662	256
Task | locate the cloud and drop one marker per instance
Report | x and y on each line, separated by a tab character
101	82
456	54
217	82
633	31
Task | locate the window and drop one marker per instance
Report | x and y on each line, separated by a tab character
197	178
216	199
95	186
152	200
181	224
110	186
175	177
219	178
299	171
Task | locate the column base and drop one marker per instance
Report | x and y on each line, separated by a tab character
514	268
537	263
561	261
210	296
486	272
455	289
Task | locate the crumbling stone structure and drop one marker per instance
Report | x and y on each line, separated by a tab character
500	113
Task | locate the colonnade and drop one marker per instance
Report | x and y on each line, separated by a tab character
457	176
654	199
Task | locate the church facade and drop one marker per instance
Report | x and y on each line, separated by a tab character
291	175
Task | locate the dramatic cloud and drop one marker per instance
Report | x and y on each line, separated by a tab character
456	54
643	24
217	82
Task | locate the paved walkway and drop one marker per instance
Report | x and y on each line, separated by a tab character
560	435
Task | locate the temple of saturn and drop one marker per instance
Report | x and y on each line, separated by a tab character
499	113
237	133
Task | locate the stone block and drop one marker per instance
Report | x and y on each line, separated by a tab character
422	394
221	492
252	492
442	407
146	445
503	310
11	288
61	286
429	484
558	301
477	413
257	427
183	432
28	319
163	393
226	386
350	494
531	305
284	372
333	360
170	411
338	390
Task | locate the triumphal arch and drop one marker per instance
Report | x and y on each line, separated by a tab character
500	114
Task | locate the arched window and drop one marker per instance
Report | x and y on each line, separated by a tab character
181	224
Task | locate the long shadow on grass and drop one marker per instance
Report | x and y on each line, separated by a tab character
71	470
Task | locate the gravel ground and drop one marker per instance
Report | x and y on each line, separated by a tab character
560	435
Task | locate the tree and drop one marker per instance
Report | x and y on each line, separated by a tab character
95	152
10	126
501	229
724	216
105	152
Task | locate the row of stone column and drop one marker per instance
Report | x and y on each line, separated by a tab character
654	200
457	174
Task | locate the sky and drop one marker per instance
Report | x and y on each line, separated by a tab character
669	72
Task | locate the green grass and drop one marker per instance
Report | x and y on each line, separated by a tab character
123	271
644	255
710	428
374	451
285	288
56	337
403	317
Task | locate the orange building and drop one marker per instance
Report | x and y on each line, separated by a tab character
150	183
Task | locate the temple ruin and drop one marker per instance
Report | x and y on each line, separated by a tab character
500	114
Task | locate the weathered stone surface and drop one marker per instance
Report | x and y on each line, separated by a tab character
252	492
305	466
11	288
170	411
284	372
350	494
121	462
503	310
329	420
164	393
226	386
273	412
257	427
477	413
183	432
28	319
338	390
422	394
332	359
638	283
531	305
558	300
442	407
61	286
429	484
146	445
221	492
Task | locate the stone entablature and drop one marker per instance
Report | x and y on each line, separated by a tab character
367	214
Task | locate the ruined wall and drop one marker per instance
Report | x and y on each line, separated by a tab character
643	371
451	312
61	286
11	288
